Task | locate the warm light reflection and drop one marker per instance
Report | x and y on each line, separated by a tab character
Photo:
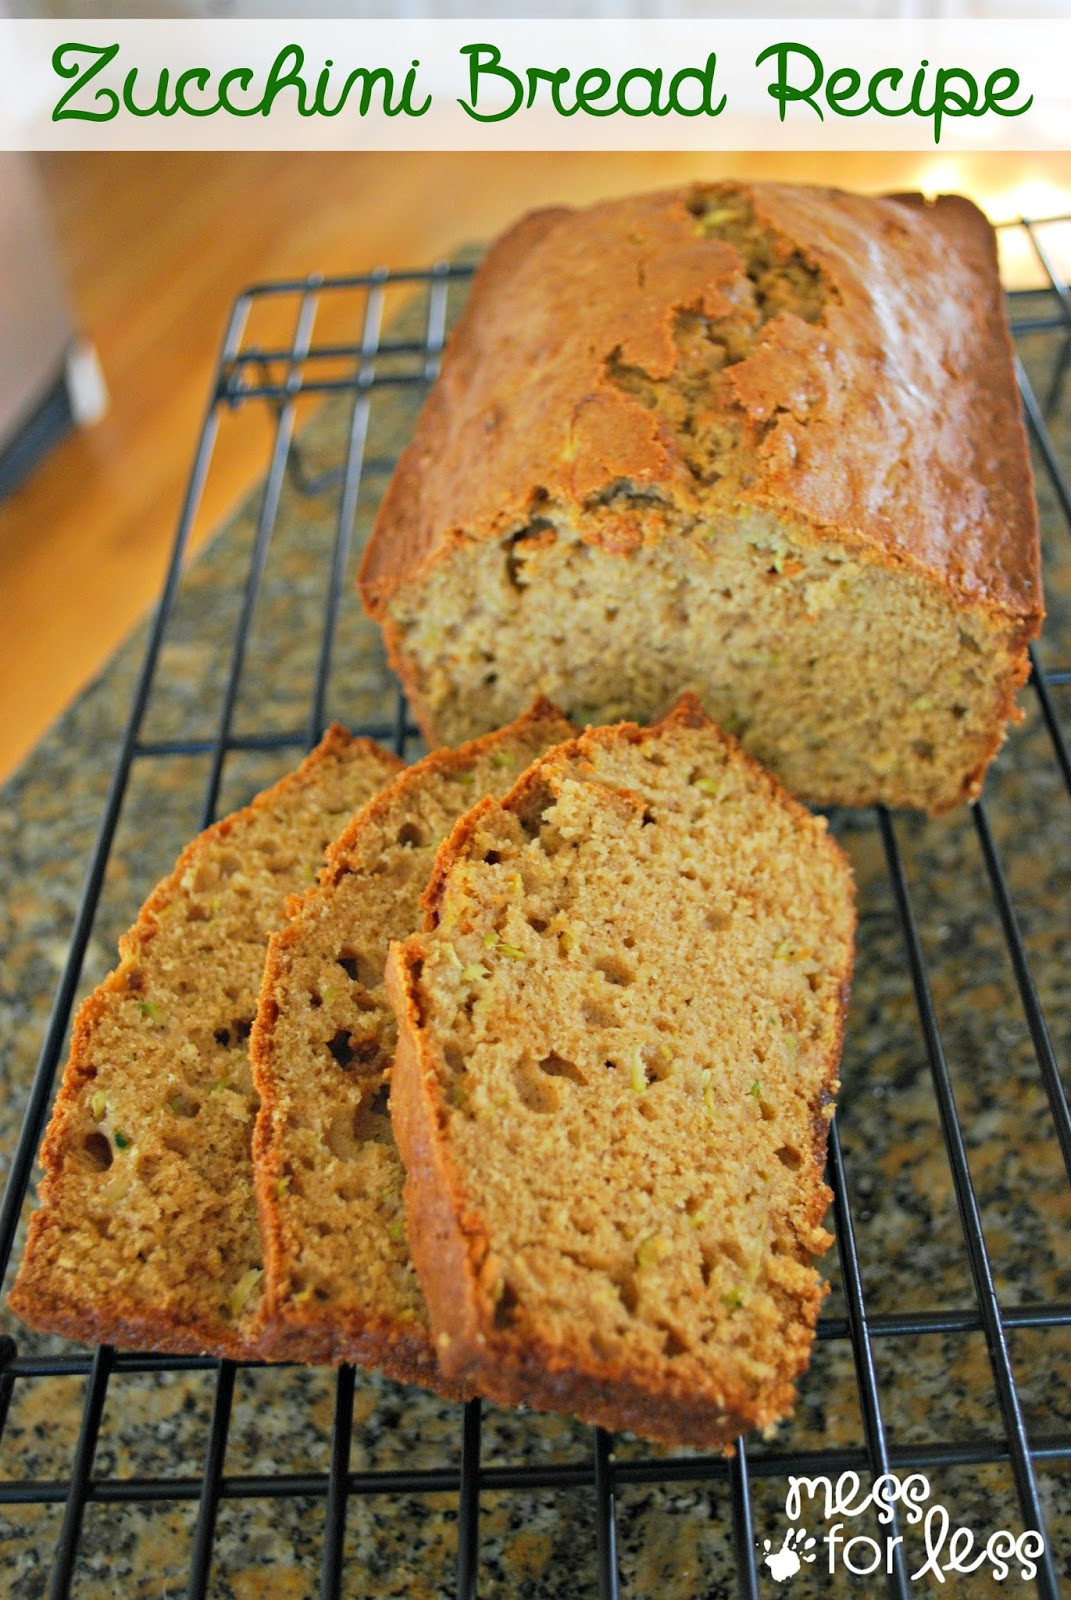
1033	196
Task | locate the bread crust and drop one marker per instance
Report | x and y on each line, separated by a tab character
40	1295
524	411
449	1243
332	1333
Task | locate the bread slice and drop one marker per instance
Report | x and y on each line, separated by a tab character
618	1047
339	1284
147	1231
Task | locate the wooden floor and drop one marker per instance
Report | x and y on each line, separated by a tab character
155	248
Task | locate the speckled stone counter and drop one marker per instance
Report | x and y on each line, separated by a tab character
675	1538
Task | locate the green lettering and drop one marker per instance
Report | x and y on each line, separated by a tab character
992	94
408	89
782	91
244	77
704	76
66	68
319	100
836	95
285	73
368	78
557	81
202	77
159	105
894	75
487	58
653	80
591	85
946	102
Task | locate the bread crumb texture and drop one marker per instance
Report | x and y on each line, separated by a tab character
339	1282
728	440
620	1046
147	1234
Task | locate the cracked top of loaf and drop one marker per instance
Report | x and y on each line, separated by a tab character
841	361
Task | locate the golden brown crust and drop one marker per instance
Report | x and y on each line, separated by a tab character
449	1242
333	1331
50	1299
911	447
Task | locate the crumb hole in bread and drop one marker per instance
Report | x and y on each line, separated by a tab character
615	970
371	1120
535	1089
598	1014
556	1066
648	818
454	1058
492	858
234	1033
673	1344
339	1137
98	1151
648	1109
505	1306
183	1105
410	834
341	1048
365	1056
368	1056
627	1292
530	812
538	924
357	967
790	1157
729	1249
316	999
717	921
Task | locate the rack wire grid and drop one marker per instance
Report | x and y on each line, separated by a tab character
272	377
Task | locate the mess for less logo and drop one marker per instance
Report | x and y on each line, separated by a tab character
947	1549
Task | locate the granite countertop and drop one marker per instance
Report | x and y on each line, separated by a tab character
675	1538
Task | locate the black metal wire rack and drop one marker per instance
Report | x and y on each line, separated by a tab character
273	377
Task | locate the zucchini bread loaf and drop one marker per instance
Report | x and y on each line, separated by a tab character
147	1229
763	442
619	1040
338	1281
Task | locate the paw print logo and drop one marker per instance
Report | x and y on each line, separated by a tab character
796	1548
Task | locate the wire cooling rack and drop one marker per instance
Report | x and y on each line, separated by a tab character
274	377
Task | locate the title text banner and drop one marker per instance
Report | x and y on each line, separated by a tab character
508	85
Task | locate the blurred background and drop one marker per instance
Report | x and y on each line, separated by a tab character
117	272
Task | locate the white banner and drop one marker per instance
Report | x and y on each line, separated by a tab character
221	84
